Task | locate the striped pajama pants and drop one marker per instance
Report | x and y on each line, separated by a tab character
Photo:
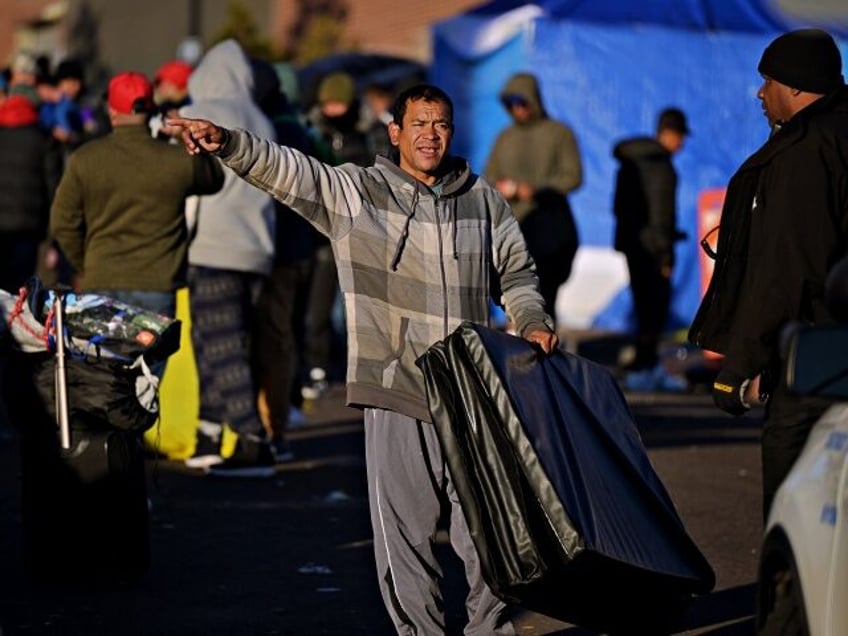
222	307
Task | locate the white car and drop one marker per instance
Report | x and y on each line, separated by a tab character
804	564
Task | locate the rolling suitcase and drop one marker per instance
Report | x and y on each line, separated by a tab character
566	512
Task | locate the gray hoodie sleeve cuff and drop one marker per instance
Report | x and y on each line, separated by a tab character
536	326
228	146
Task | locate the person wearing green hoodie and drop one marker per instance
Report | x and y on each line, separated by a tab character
535	163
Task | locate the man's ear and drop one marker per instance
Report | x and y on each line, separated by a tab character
394	132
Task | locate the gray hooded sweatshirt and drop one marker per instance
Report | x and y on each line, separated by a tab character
234	228
413	264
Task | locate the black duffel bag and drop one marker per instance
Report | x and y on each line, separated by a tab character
104	390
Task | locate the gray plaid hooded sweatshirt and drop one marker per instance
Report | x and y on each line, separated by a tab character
413	264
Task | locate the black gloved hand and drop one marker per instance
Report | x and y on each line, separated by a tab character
728	389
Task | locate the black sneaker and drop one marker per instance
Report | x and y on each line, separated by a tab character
282	450
207	451
252	458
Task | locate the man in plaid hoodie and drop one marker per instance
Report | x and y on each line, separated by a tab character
418	241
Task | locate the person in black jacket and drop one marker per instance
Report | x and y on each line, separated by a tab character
646	229
279	321
30	169
784	225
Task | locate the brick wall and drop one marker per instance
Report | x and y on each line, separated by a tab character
16	14
141	35
394	27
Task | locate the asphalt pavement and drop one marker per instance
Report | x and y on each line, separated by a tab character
292	554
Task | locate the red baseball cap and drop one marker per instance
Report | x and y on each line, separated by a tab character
175	72
127	89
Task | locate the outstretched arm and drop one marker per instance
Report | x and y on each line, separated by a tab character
199	135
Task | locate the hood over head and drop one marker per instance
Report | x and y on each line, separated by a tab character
526	86
639	148
223	73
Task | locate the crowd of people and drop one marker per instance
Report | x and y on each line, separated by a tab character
276	262
366	203
262	284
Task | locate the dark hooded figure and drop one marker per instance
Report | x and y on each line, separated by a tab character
645	232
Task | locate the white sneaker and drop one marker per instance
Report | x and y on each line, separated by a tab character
317	385
203	461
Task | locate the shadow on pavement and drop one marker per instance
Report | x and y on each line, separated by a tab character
731	609
290	555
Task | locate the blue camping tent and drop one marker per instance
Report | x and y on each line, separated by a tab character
607	67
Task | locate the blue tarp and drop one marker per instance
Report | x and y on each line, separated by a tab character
607	68
755	16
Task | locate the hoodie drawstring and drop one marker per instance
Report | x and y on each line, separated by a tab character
454	216
405	233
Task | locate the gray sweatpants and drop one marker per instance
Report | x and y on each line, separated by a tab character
407	481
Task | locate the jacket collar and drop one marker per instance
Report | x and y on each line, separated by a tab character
796	128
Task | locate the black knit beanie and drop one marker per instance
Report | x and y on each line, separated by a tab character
806	59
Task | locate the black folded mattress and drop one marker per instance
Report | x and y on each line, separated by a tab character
568	516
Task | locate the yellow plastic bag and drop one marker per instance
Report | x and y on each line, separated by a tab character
174	434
